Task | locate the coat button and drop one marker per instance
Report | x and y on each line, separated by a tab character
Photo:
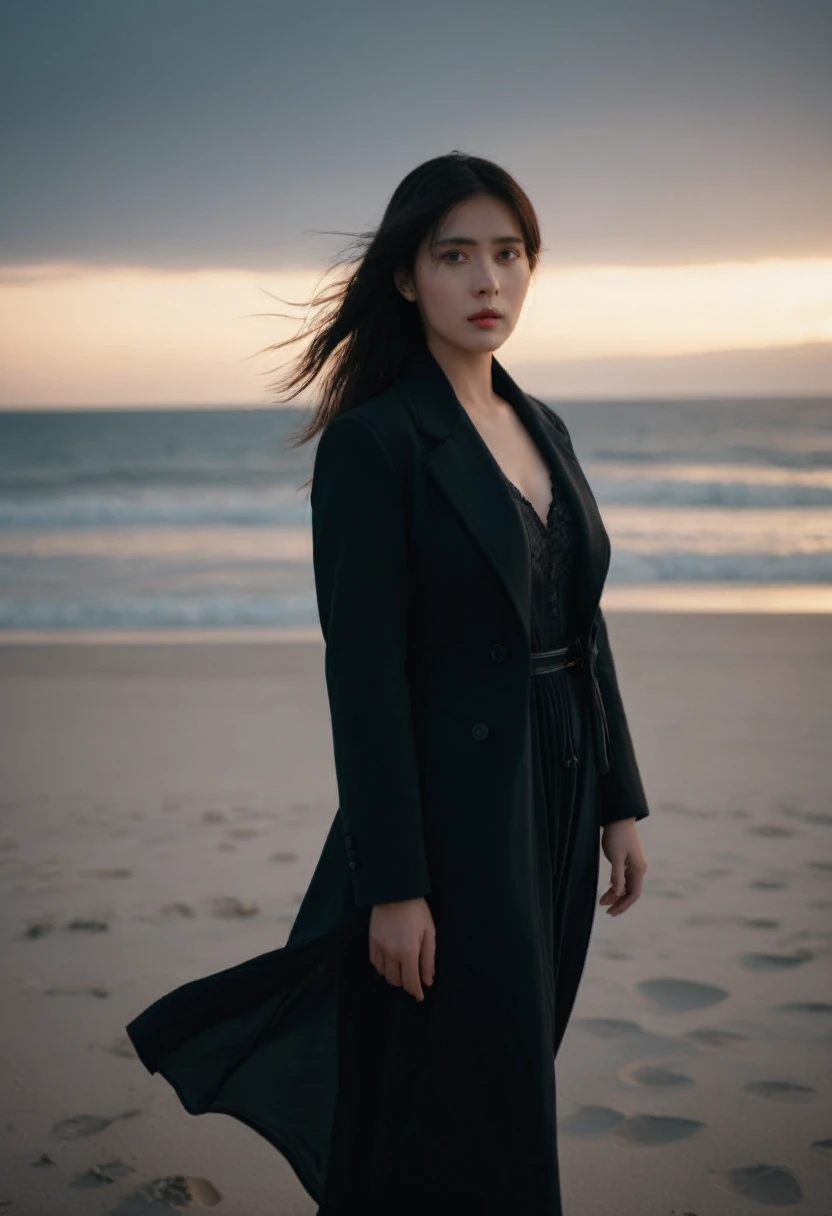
353	864
499	652
480	730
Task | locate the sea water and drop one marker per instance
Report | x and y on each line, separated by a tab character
192	520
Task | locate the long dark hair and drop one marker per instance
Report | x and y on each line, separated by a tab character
364	328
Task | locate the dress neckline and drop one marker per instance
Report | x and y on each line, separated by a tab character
546	525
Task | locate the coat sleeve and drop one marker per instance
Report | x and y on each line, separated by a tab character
359	547
621	790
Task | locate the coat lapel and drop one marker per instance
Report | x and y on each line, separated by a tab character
467	473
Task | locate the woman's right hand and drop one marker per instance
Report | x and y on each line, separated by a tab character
403	944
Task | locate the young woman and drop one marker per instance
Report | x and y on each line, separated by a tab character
399	1050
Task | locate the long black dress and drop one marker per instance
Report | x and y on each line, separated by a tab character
381	1103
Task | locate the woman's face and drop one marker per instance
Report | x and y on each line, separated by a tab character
477	261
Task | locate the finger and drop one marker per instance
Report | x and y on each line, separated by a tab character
636	884
622	905
410	976
618	876
392	971
633	893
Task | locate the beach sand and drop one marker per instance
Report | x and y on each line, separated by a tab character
163	807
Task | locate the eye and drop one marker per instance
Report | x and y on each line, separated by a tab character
514	251
452	251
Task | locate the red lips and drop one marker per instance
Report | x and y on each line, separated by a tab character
485	312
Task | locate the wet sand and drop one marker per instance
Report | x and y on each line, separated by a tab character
163	807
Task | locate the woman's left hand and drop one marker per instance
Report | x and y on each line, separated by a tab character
622	848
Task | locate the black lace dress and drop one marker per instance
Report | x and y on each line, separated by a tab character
568	849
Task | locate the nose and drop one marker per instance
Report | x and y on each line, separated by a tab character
485	278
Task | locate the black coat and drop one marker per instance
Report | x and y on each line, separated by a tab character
423	585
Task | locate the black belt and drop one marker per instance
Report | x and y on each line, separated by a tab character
543	661
576	654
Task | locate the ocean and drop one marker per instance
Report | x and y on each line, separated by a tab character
191	520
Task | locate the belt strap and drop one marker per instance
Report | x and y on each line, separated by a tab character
542	661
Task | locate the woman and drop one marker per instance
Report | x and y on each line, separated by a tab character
399	1050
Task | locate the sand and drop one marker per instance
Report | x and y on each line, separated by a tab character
163	807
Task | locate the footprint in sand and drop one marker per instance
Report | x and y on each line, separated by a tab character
759	922
768	884
820	1007
43	1160
823	866
653	1076
102	1175
774	830
775	962
77	1126
656	1129
176	911
39	928
774	1185
228	907
283	857
168	1195
87	924
709	1036
822	1146
670	995
609	1028
780	1091
70	990
591	1121
243	833
116	872
123	1048
213	817
822	818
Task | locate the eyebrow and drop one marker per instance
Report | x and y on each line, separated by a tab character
469	240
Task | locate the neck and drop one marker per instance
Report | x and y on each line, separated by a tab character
469	373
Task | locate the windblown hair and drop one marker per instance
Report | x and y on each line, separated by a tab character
363	329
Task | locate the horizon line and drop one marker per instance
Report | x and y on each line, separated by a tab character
254	407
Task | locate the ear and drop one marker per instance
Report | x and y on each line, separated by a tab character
404	282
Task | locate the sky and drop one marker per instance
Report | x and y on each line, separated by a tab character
170	163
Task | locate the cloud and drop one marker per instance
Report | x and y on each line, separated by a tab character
194	134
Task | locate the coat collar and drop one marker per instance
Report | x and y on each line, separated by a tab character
467	473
